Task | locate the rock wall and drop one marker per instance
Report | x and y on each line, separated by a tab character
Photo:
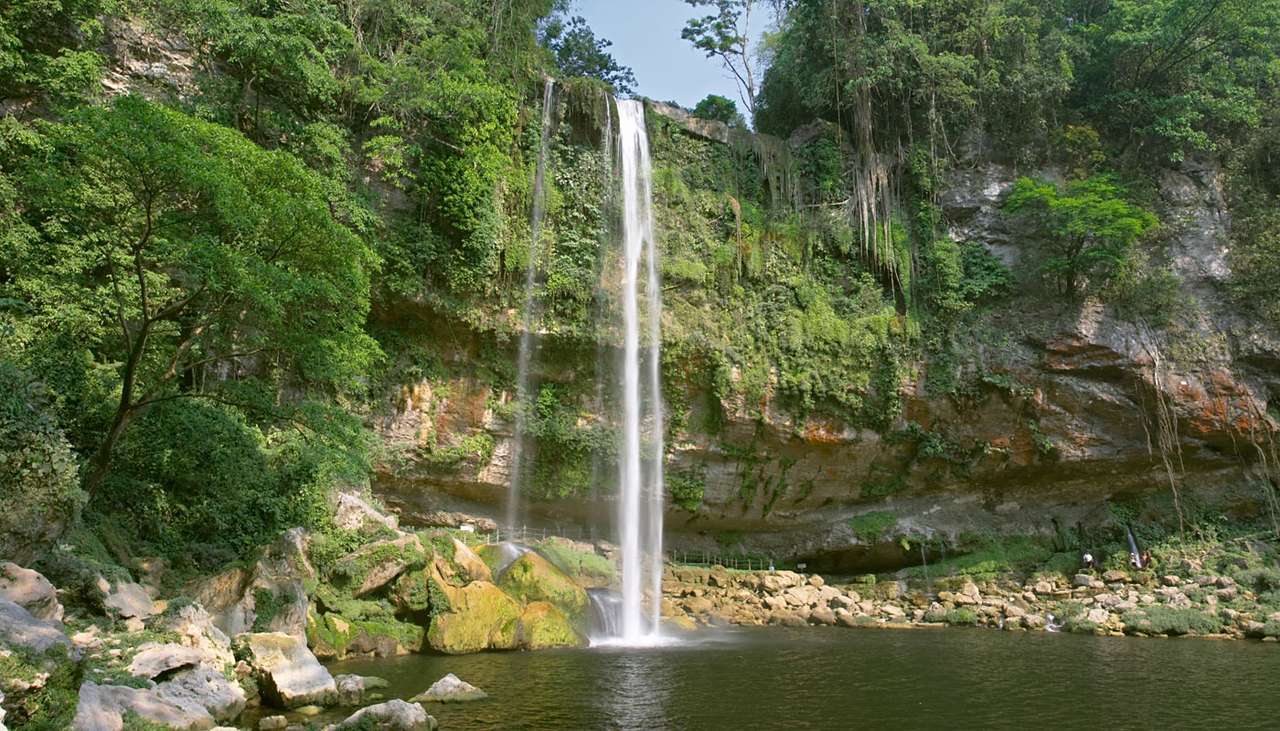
1074	406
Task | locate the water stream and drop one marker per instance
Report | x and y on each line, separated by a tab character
528	320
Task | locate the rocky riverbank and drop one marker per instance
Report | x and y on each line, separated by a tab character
133	648
1186	600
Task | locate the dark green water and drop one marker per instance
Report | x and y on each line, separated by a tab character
830	678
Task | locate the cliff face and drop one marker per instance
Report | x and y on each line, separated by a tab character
1070	408
1067	407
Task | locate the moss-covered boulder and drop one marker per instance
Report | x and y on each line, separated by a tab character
411	595
376	565
333	636
479	616
532	578
469	563
543	626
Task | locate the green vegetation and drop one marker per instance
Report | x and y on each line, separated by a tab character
1160	620
874	526
1086	231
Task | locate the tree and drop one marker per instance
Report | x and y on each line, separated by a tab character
726	34
1085	228
719	109
579	53
185	257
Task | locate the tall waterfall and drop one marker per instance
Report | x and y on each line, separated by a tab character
641	490
528	320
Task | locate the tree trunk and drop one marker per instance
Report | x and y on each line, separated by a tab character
100	463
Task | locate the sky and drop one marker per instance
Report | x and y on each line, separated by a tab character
646	37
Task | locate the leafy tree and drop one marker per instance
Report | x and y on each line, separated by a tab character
579	53
47	47
1085	228
1177	75
185	257
725	33
719	109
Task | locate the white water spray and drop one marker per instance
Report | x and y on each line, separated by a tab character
530	302
639	519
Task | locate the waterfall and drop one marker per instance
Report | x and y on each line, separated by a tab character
525	356
639	519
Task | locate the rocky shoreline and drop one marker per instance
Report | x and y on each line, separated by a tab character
132	649
1182	602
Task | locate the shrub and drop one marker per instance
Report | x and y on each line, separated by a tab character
960	616
39	483
874	526
1161	620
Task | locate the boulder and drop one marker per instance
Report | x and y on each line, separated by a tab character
288	674
128	600
543	625
470	563
353	513
273	723
479	617
154	659
450	689
271	596
352	688
532	578
394	715
203	688
335	636
102	708
31	591
1115	576
195	628
18	629
372	567
823	615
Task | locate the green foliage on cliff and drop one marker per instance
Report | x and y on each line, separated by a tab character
1085	228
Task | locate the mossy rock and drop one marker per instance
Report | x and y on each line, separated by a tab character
533	578
40	690
481	617
411	595
337	637
544	626
372	567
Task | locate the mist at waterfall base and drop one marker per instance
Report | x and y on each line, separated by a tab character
838	678
640	470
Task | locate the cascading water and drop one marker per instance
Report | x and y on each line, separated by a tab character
639	519
525	357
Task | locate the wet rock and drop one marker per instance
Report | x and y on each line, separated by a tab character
480	617
450	689
532	578
272	723
394	715
31	591
288	674
543	625
472	566
822	615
